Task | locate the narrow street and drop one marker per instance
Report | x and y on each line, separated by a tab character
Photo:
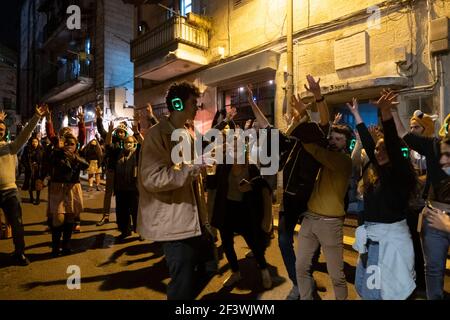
133	269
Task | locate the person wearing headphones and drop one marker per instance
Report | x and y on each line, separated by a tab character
124	160
118	135
172	210
439	219
9	196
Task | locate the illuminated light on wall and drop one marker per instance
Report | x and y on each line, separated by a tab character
66	121
221	51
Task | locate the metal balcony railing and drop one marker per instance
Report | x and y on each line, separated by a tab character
176	29
71	70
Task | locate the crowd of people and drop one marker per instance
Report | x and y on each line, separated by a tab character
403	186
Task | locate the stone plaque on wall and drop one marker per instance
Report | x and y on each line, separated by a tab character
350	51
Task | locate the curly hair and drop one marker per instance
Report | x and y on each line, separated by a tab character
181	90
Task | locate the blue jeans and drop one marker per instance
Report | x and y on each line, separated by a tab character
364	277
286	227
10	203
182	257
435	245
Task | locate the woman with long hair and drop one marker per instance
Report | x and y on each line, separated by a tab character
385	268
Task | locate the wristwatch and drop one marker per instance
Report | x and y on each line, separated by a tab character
321	99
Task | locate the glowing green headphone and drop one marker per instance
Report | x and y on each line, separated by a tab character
405	152
352	144
177	104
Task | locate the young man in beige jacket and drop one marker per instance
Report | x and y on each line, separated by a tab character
171	207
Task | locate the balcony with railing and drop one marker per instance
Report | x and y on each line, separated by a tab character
72	77
177	46
55	34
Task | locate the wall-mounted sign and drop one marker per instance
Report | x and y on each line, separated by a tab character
351	51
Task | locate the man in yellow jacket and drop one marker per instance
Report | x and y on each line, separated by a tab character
323	222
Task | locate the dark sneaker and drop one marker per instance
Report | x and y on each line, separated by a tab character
123	236
66	251
104	220
55	253
21	259
294	294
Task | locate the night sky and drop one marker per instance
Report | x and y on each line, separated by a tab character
9	23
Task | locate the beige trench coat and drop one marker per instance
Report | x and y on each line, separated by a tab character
168	209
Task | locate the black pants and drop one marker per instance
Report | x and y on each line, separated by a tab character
182	257
253	235
419	262
10	203
126	208
38	195
66	231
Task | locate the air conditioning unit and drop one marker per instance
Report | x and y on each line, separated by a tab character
439	35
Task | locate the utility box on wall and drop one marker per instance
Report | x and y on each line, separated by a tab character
439	35
118	102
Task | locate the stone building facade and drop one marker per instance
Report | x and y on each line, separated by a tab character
355	47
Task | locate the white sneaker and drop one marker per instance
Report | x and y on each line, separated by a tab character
232	279
294	294
266	278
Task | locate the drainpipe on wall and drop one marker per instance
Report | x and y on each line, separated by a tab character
290	55
441	91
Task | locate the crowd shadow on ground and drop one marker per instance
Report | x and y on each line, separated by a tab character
151	277
249	287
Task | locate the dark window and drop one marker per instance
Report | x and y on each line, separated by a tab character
369	114
186	7
263	94
7	103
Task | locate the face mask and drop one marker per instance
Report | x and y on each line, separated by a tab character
447	170
129	146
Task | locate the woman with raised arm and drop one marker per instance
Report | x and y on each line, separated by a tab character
124	161
435	243
385	268
65	197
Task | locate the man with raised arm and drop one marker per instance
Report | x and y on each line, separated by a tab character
9	196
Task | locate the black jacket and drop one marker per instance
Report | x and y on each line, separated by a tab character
65	170
387	201
253	200
300	169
